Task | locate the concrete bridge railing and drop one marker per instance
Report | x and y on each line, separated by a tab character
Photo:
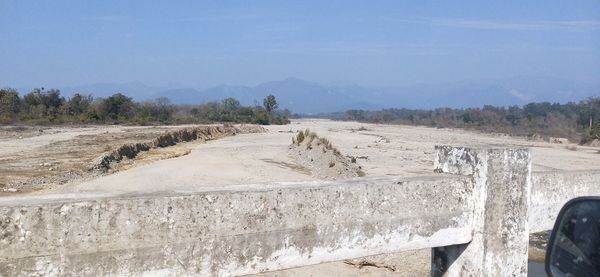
475	214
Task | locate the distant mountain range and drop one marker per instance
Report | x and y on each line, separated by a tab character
306	97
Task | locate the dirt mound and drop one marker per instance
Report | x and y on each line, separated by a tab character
594	143
558	140
321	158
205	133
250	129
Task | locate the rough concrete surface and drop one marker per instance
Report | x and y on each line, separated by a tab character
233	232
551	190
502	183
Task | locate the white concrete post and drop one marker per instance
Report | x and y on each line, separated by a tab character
502	181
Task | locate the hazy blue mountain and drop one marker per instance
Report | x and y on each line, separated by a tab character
294	94
136	90
244	94
505	92
306	97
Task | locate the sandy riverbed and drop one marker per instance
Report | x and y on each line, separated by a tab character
265	157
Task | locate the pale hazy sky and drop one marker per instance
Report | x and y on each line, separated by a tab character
381	43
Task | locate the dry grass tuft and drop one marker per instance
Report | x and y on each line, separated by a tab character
299	138
571	147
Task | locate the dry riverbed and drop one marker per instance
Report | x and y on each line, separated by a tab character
38	158
52	160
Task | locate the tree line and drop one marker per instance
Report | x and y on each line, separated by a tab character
575	121
48	107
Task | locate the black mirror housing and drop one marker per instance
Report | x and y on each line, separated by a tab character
574	246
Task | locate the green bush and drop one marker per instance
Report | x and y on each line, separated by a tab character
300	137
570	120
49	107
591	135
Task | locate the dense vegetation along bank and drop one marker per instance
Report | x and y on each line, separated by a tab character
579	122
49	107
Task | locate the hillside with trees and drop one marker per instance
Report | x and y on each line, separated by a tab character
579	122
49	107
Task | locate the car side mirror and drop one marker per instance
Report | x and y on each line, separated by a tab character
574	246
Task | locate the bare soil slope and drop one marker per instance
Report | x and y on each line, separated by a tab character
33	158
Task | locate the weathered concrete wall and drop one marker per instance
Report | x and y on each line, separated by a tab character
502	181
551	190
222	233
476	218
509	214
